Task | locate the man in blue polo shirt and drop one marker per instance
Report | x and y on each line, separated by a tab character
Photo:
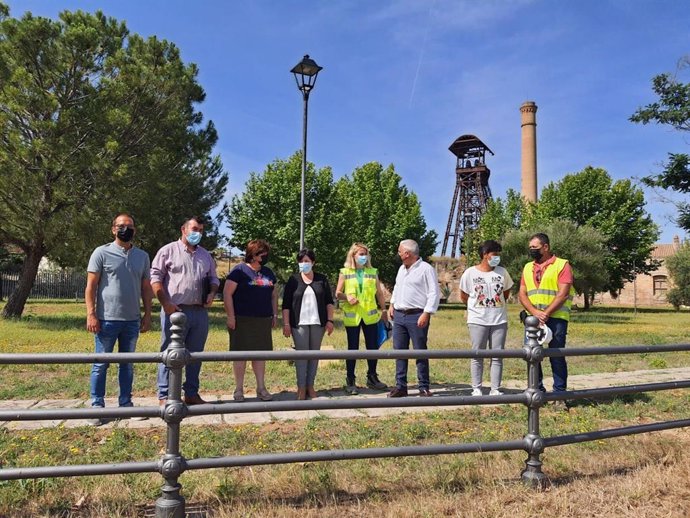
118	276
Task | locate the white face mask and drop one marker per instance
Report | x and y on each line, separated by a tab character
494	261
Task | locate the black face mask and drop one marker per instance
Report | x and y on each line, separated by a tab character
535	253
263	260
125	234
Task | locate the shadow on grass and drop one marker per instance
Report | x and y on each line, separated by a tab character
614	309
596	318
67	322
453	307
56	322
625	399
566	480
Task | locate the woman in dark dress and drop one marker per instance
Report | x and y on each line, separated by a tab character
250	298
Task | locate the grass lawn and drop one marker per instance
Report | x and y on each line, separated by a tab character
626	477
60	327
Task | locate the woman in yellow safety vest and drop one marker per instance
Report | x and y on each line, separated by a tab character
363	306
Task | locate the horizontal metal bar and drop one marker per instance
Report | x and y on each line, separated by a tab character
614	391
561	440
254	407
78	413
615	349
66	358
291	354
79	470
283	354
349	403
367	453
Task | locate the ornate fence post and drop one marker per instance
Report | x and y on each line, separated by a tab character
534	444
171	504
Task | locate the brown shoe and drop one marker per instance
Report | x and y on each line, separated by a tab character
193	400
398	392
264	395
424	393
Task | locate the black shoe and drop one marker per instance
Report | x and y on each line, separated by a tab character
373	382
398	392
350	386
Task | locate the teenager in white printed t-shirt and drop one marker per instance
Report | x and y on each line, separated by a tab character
485	288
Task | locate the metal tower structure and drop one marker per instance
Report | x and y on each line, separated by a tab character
472	190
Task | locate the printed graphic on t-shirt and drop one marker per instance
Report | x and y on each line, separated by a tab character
260	280
488	295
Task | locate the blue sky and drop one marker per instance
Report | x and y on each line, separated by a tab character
403	79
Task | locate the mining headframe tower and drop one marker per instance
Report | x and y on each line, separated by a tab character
472	191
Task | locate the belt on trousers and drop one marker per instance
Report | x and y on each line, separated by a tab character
413	311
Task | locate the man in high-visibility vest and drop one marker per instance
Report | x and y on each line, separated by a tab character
546	292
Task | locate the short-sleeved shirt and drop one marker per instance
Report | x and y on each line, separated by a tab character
182	272
119	286
253	296
486	304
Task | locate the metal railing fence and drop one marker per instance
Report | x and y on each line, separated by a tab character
172	464
66	284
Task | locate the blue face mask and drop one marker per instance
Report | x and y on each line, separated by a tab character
362	259
193	238
305	267
494	261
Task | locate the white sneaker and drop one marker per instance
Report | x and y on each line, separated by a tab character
476	392
495	392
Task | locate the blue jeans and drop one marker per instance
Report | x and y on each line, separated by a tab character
559	367
195	334
370	336
125	333
405	329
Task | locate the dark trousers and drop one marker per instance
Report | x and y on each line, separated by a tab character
559	367
405	329
195	334
370	332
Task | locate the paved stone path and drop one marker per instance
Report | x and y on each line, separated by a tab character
575	382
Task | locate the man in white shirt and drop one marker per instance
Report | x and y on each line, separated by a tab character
415	298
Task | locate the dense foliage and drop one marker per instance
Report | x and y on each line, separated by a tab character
678	267
372	206
610	213
672	109
95	120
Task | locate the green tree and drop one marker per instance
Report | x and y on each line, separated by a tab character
672	109
95	120
372	207
678	267
269	208
582	245
380	211
616	210
500	217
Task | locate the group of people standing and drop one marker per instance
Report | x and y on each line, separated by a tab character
182	276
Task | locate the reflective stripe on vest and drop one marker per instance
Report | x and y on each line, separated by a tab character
366	309
542	296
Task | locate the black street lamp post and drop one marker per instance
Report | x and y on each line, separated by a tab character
305	74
